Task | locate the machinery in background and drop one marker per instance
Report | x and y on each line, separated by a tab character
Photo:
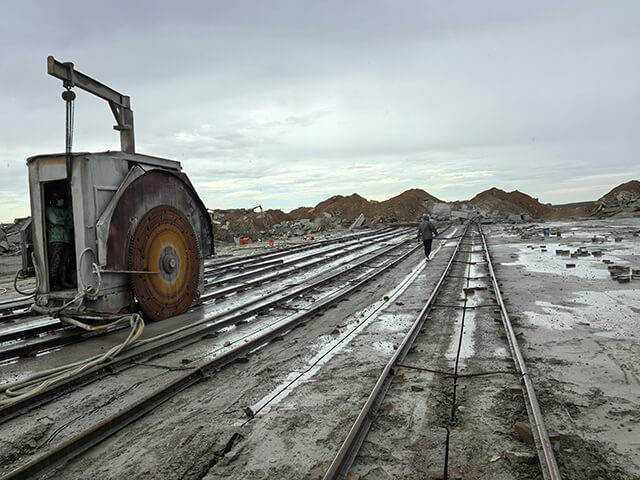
140	231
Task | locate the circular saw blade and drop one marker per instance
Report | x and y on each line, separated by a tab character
164	244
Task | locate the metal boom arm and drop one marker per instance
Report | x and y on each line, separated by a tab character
120	104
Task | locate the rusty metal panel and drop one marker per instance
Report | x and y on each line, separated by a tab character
154	188
103	223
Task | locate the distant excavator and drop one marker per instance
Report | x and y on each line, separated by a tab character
140	230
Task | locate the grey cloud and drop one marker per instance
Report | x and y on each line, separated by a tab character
301	100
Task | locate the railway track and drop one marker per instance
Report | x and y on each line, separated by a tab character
251	266
16	308
472	254
212	266
467	289
383	259
215	322
60	334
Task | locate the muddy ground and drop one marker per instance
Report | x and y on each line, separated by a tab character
579	335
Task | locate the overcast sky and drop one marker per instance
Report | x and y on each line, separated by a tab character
286	103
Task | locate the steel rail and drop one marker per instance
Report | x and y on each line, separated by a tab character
351	445
259	263
34	326
548	464
9	311
289	268
234	262
8	307
202	328
281	263
66	335
12	316
89	438
381	233
13	303
59	337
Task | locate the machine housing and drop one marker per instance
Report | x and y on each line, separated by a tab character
109	192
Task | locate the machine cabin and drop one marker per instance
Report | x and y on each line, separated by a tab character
140	232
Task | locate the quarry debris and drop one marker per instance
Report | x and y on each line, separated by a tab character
10	236
623	199
354	211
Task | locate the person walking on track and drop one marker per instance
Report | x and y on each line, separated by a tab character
426	232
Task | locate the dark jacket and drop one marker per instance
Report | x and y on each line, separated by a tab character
59	225
426	229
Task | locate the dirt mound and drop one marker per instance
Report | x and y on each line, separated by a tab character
493	205
514	202
347	208
624	198
632	187
300	212
251	224
337	211
407	206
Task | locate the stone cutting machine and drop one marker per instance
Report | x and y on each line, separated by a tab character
141	232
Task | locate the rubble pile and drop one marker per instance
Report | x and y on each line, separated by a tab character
270	224
491	206
228	225
334	213
346	208
340	211
512	207
624	199
10	236
354	211
408	206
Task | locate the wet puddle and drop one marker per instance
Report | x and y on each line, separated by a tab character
467	347
535	260
385	323
341	343
614	312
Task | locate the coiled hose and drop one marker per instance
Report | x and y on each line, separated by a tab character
55	312
40	381
37	275
91	292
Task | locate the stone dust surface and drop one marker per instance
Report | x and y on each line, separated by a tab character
284	411
581	338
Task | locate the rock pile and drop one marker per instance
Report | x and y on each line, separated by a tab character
269	224
491	206
334	213
510	207
339	211
410	206
624	199
10	236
